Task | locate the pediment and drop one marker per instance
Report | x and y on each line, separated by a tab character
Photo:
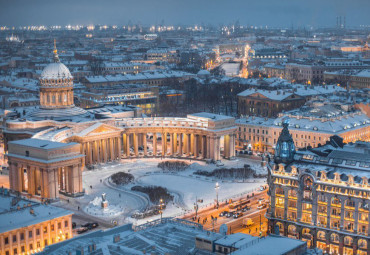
98	129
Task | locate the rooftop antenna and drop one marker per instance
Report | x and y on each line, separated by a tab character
55	51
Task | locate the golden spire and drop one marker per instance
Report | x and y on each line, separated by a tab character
55	51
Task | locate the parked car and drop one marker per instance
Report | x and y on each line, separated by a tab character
90	225
250	152
229	214
224	213
246	208
261	206
238	215
82	230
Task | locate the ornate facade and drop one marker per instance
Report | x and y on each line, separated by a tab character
322	196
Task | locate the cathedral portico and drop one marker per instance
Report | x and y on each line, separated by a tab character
45	169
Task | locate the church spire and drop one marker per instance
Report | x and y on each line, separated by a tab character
55	51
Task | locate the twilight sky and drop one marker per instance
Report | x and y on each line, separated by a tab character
257	12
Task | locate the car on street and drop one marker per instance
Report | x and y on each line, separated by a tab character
229	214
82	230
223	213
260	200
246	208
90	225
238	215
261	206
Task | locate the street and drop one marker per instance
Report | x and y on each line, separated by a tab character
235	225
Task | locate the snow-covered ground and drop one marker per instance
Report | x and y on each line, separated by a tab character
184	186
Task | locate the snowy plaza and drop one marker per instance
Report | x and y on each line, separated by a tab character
184	186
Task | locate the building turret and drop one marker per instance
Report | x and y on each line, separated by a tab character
285	149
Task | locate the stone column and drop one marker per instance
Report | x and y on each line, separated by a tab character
111	149
171	144
208	146
38	181
119	148
31	180
12	175
355	227
145	144
217	148
136	145
232	145
180	144
124	141
128	145
75	179
191	144
328	212
342	214
105	150
20	183
164	142
154	144
212	148
196	147
286	199
95	152
203	142
87	153
186	144
175	143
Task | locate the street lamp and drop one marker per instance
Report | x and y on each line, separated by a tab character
161	206
216	188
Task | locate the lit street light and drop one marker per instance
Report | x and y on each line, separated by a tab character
216	188
161	206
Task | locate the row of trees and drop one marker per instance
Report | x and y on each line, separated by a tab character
229	173
155	193
173	165
209	97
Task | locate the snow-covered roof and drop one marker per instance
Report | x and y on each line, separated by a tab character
14	218
41	144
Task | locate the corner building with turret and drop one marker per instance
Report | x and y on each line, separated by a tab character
321	195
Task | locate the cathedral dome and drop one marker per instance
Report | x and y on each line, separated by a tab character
56	70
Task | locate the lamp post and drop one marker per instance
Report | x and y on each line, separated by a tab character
161	204
216	188
196	207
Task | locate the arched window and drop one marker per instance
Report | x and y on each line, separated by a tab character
363	206
334	238
321	235
307	186
335	201
362	244
349	203
292	230
279	191
348	240
292	193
